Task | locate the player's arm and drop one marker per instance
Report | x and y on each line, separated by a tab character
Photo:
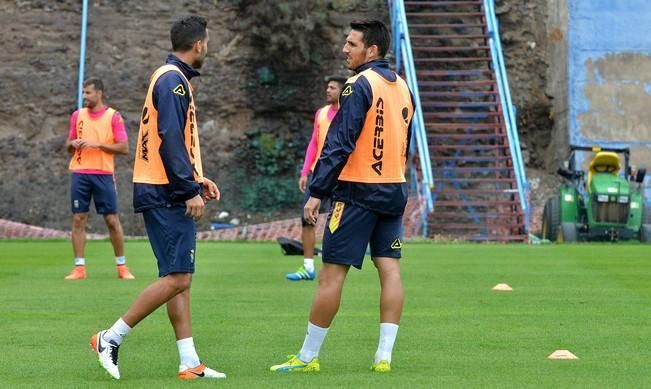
310	154
172	113
342	136
119	145
72	143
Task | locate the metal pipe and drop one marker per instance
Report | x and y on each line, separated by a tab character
82	54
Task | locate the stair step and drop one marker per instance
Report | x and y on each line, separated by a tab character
469	147
477	226
451	36
459	104
441	3
459	94
466	158
464	126
466	137
446	25
474	180
442	14
474	170
452	115
452	59
481	215
458	83
479	238
448	48
455	73
475	192
482	203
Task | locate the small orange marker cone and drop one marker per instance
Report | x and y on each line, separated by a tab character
562	354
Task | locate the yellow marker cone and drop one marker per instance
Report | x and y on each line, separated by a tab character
503	288
562	354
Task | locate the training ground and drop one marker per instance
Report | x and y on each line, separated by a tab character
591	299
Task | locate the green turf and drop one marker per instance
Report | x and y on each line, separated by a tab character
594	300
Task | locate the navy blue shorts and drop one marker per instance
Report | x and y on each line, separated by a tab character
172	236
306	196
100	187
350	229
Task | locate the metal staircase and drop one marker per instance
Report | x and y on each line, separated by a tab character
468	121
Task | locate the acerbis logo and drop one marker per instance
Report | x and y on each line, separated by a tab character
378	141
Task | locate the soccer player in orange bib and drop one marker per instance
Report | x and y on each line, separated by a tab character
97	134
362	168
170	191
322	120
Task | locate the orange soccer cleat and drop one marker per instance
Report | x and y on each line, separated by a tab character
124	273
201	371
78	273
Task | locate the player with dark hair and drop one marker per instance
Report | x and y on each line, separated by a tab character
362	168
170	191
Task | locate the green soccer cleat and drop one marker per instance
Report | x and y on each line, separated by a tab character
383	366
301	274
295	364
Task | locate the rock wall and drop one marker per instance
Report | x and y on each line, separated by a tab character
262	81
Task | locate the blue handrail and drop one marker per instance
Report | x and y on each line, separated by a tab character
82	54
404	59
507	107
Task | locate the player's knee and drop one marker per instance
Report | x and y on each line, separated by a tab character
112	222
79	220
180	281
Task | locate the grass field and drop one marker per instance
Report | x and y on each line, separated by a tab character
594	300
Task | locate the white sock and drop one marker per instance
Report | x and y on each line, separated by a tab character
187	352
120	260
388	333
308	264
117	333
313	341
80	261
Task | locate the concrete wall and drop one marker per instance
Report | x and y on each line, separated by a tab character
557	79
609	70
609	66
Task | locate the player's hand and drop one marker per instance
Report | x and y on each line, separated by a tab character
302	183
311	210
210	190
83	143
76	143
194	207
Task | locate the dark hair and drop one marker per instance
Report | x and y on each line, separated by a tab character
96	82
186	31
341	80
375	33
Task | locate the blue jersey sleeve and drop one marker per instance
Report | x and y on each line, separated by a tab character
346	126
171	99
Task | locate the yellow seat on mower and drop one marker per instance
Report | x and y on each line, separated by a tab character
604	162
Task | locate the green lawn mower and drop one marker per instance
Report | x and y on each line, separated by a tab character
608	206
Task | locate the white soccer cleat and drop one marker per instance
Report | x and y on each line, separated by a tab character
107	354
201	371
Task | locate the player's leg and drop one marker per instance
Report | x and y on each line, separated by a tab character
106	203
307	272
344	244
80	196
191	367
386	250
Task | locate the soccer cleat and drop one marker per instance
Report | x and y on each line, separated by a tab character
201	371
301	274
124	273
107	354
383	366
295	364
78	273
